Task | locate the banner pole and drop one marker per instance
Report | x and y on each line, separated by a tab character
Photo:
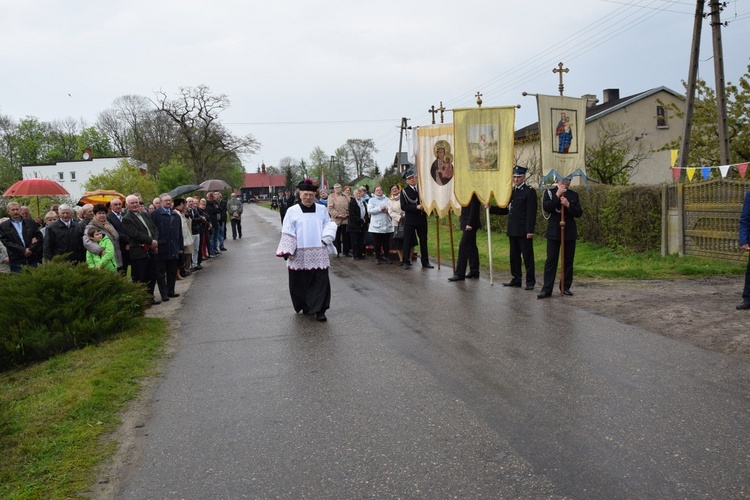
453	250
489	243
562	249
437	228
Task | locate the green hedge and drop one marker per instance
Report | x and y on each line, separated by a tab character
624	218
58	306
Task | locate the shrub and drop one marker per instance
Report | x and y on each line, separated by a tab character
623	218
59	306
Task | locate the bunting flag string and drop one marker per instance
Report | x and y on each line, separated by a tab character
706	171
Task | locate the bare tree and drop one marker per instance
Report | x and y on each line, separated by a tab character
207	144
64	138
615	156
360	152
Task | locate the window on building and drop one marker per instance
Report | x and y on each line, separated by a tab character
661	117
61	176
73	176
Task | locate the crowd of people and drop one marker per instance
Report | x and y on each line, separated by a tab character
160	243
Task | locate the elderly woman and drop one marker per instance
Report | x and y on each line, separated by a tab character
338	209
381	227
49	219
357	225
395	211
180	206
100	222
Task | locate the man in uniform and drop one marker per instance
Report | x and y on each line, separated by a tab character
554	201
521	212
415	222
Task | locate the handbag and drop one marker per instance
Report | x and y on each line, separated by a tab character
398	234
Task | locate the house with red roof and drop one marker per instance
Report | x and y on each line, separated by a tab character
262	184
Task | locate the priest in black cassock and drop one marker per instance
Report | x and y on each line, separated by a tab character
307	236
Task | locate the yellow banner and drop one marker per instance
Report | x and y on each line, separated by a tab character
484	153
435	169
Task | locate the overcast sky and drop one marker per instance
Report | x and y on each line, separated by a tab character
301	74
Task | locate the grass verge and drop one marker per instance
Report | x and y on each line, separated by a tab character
53	414
591	261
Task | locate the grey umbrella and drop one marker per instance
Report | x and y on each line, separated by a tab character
187	188
214	185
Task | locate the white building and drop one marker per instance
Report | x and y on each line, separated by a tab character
73	174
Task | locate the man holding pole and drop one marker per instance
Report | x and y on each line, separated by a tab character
564	207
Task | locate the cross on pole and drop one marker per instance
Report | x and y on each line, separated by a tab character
432	111
479	99
560	70
441	109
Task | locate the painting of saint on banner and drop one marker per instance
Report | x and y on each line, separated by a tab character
483	146
565	133
442	167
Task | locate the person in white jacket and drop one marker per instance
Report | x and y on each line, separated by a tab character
381	226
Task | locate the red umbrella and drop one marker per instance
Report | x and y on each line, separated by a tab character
36	187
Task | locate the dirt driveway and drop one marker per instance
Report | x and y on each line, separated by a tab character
698	310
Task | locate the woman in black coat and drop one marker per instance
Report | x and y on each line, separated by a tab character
356	226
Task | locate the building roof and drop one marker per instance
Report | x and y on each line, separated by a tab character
263	180
598	111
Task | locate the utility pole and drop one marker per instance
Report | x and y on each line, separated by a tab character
404	126
721	93
692	77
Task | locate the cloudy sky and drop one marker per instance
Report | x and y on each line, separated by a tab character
301	74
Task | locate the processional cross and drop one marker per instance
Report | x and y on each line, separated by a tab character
441	109
560	70
432	111
479	99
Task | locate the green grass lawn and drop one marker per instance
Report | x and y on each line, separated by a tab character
53	414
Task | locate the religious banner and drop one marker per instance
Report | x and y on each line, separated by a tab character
562	134
484	153
435	169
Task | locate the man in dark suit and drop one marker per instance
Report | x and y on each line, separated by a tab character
171	246
415	222
554	201
143	238
114	217
285	203
467	249
63	237
22	238
521	212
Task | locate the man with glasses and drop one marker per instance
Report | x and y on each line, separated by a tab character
169	225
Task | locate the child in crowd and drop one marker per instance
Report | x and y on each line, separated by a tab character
107	259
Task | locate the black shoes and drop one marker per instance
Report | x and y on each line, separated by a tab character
164	298
512	285
428	266
529	287
457	278
472	276
543	295
388	260
320	317
406	265
173	295
568	293
222	249
743	306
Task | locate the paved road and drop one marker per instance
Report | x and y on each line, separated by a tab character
420	388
